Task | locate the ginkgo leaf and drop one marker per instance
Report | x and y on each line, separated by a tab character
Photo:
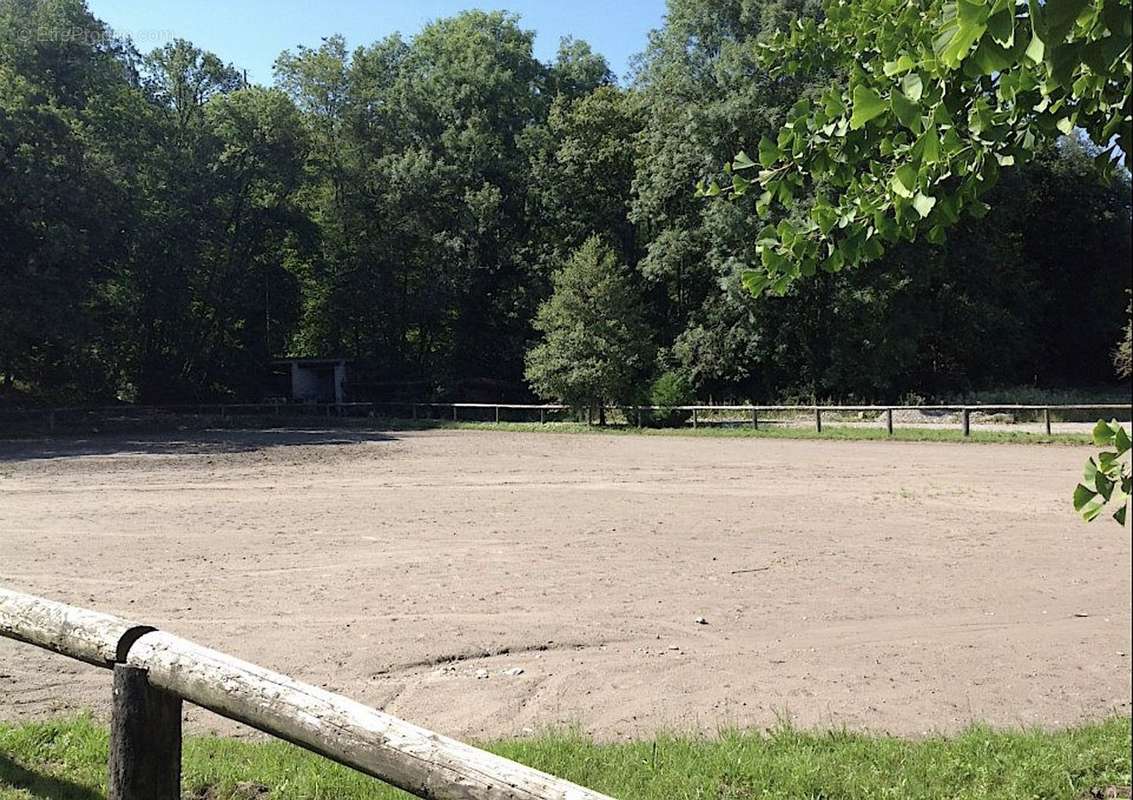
913	86
923	203
908	112
868	105
742	161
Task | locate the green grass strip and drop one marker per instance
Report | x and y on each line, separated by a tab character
66	760
833	432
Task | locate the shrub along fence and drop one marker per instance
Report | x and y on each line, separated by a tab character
154	671
753	416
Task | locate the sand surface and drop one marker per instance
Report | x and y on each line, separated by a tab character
902	587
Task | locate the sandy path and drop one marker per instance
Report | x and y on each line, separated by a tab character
894	586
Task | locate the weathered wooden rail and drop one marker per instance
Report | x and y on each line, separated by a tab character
154	671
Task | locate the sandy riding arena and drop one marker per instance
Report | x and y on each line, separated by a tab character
494	584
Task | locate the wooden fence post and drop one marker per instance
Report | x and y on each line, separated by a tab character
818	419
966	421
639	416
497	415
889	421
755	419
1046	419
454	412
695	418
145	739
542	416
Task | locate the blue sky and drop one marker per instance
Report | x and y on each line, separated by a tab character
251	33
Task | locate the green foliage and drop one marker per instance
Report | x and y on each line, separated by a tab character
183	78
146	211
577	70
404	203
216	217
63	102
581	172
1031	396
596	346
671	388
1106	477
705	95
423	269
1000	301
1016	299
1123	355
932	99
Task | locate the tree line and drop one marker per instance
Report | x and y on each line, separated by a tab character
448	211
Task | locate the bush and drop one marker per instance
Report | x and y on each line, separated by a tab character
669	390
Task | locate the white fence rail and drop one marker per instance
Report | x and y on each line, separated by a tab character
154	671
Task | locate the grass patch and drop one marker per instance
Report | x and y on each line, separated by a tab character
66	760
769	428
908	434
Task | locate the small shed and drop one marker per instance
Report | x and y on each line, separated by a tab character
314	380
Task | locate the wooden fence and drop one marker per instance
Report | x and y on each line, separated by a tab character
154	671
634	414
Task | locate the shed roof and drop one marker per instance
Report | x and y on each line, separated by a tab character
311	362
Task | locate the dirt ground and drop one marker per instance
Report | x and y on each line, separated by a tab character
902	587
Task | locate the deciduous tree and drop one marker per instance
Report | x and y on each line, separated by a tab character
596	347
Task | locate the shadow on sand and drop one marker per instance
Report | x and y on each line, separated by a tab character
195	442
